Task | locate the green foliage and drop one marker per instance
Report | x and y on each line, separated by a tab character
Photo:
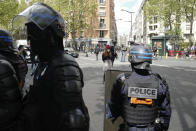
171	13
184	45
75	12
8	9
189	10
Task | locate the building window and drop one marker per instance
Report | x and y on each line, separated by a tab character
188	27
102	13
187	19
166	28
155	27
101	34
102	20
102	23
150	28
102	1
155	20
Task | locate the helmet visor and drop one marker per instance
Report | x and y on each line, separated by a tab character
40	14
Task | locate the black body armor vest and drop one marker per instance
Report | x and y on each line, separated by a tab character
140	114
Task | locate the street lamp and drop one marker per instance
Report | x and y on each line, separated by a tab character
129	21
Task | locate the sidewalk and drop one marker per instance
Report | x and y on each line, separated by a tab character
175	58
169	62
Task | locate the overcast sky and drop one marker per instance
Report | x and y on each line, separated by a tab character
129	5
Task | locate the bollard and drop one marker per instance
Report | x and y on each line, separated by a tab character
166	55
177	56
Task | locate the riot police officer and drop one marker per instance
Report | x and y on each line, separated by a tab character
141	98
55	101
12	75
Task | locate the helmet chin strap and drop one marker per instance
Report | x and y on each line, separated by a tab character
141	66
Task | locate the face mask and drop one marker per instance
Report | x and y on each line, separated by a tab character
108	50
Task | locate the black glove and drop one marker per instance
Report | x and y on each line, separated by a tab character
158	127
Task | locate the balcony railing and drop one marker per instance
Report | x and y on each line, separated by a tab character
102	3
102	25
102	13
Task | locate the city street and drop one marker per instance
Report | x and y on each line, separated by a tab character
180	75
41	29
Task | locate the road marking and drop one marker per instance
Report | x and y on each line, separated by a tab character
177	68
160	65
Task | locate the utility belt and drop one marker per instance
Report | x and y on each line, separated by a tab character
154	126
140	126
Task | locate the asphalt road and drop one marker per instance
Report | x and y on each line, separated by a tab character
180	75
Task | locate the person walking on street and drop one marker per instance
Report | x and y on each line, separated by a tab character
107	58
155	51
114	54
22	52
55	101
124	50
32	57
140	97
97	52
86	51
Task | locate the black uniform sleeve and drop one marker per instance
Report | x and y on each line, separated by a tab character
68	83
10	97
165	109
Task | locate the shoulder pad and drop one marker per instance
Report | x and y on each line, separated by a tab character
72	67
6	68
161	78
121	77
157	75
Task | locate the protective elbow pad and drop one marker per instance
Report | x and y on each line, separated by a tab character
75	119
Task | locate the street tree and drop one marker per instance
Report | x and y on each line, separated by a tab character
169	13
8	9
76	14
19	33
189	11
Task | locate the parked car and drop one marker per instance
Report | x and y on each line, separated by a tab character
71	52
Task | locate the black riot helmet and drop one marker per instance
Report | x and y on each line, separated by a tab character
45	29
140	57
6	41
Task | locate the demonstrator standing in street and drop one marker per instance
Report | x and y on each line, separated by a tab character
107	58
97	52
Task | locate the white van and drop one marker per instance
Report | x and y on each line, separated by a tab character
20	42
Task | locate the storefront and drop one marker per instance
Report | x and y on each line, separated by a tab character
160	43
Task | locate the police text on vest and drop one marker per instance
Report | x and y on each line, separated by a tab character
146	93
